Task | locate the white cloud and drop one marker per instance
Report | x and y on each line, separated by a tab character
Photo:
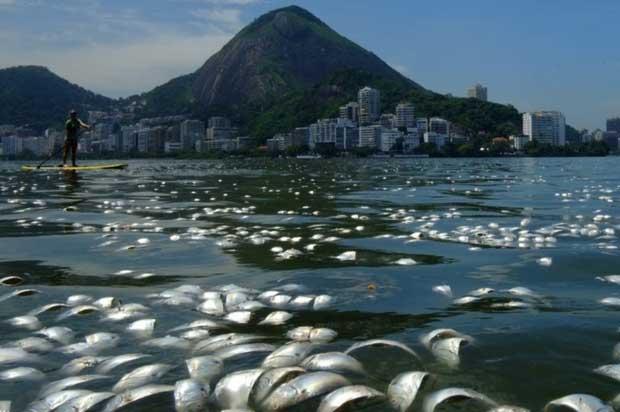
7	3
229	19
123	69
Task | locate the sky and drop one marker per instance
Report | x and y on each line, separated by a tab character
534	54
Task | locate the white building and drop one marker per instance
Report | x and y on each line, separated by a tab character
422	125
369	136
439	140
405	115
369	101
519	142
411	140
191	132
478	91
350	111
439	126
129	138
323	131
545	127
389	138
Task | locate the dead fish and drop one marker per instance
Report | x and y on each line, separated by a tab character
62	384
280	300
47	308
34	344
108	302
267	295
214	307
195	334
53	401
611	371
241	317
291	354
85	403
233	390
204	368
465	300
322	302
233	299
348	394
580	403
60	334
112	363
382	342
76	300
271	379
201	323
308	333
447	350
19	293
22	374
508	408
168	342
348	256
238	350
523	291
102	340
5	406
11	281
276	318
610	301
404	388
78	365
25	322
333	361
142	376
134	395
78	310
142	327
436	398
610	278
302	388
442	333
221	341
251	305
481	292
191	395
445	290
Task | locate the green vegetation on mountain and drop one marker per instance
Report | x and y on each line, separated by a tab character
34	96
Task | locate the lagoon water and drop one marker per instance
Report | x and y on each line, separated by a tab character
549	225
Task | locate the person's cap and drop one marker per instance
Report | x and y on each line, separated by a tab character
72	112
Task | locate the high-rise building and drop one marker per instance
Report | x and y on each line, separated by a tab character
219	122
350	111
191	132
405	115
369	101
545	127
439	126
613	124
323	131
478	91
370	136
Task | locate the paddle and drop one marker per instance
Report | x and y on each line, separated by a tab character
50	156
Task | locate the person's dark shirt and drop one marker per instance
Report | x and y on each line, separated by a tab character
72	127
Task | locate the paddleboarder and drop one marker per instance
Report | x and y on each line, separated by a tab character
72	129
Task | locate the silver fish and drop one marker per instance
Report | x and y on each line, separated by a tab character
25	322
322	302
233	390
142	327
112	363
108	302
191	396
47	308
22	374
243	349
78	365
251	305
508	408
5	406
78	310
241	317
447	350
11	281
611	371
580	403
59	334
382	342
333	361
134	395
233	299
195	334
436	398
342	396
308	333
85	403
270	380
62	384
53	401
276	318
79	300
204	368
302	388
34	344
13	355
168	342
404	388
201	323
291	354
221	341
142	376
213	307
443	333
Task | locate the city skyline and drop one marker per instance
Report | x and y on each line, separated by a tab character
445	47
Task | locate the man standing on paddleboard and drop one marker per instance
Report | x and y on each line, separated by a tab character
72	129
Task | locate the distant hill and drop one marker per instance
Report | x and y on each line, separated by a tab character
35	96
288	68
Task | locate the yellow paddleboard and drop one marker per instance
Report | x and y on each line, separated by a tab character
77	168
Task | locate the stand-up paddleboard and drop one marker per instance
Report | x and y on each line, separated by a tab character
76	168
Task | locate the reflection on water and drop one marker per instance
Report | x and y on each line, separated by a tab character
376	235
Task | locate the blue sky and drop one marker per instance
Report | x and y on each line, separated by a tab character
535	54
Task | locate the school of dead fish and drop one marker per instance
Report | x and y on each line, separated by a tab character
286	375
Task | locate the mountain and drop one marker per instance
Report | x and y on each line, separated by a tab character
35	96
288	68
